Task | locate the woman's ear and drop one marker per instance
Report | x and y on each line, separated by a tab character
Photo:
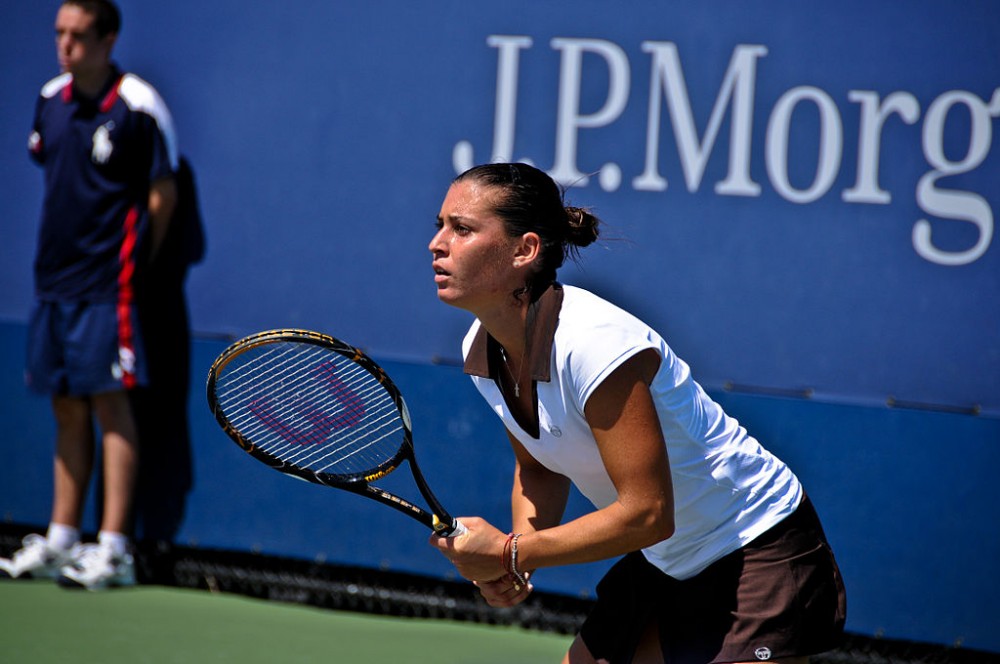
528	249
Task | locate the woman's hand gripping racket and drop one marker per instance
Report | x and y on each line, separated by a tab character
321	410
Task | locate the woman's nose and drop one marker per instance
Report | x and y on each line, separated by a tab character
436	242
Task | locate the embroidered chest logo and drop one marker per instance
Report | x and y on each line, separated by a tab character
763	653
103	147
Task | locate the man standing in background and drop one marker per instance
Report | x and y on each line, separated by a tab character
106	143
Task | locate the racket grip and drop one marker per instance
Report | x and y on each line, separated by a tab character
458	529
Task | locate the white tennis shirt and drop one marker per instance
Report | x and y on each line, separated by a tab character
727	488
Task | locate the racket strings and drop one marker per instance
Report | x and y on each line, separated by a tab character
311	407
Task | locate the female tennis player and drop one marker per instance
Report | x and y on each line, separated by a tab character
723	556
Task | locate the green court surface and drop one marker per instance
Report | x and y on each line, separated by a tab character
40	623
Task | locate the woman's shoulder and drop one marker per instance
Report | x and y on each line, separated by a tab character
602	330
587	310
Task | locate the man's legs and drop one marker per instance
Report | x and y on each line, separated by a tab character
75	458
109	562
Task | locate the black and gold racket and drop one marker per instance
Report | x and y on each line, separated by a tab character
318	409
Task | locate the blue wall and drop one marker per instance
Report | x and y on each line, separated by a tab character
799	195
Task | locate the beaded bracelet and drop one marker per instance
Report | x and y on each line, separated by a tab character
513	562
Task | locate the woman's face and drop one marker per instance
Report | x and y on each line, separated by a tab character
473	255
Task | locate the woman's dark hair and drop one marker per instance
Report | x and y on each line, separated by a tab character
532	202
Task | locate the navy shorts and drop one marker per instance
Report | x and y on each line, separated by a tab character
779	596
83	348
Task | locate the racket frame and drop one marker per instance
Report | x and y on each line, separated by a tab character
436	518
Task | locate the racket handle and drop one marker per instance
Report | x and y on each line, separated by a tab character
458	529
455	529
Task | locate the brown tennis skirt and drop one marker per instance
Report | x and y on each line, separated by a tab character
779	596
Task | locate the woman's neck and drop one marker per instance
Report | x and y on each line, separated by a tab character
507	324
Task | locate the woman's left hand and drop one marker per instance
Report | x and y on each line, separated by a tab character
505	591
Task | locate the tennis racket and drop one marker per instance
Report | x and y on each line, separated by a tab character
318	409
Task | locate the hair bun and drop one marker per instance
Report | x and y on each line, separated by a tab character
581	226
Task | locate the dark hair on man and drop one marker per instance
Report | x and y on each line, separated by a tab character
107	16
532	202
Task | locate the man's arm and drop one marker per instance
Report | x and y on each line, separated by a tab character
162	202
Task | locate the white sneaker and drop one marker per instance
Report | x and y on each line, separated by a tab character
96	567
36	559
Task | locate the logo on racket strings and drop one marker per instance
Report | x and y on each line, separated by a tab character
308	417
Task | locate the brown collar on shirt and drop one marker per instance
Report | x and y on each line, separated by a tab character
484	359
543	315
